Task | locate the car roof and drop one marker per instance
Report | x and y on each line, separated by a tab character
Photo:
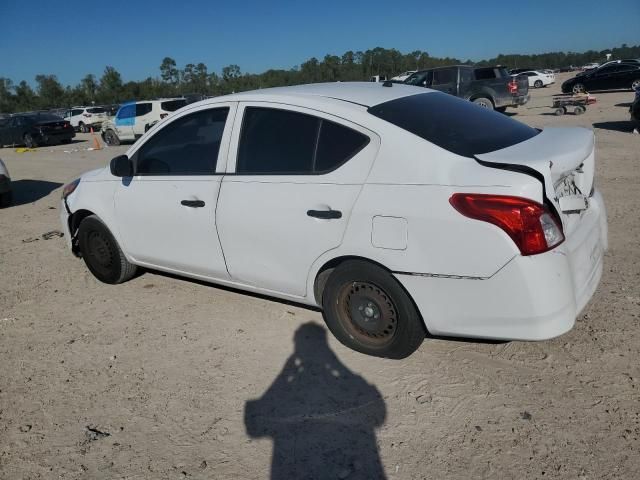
363	94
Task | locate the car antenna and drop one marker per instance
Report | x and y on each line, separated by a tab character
387	83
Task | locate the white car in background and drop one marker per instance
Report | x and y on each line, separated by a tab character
5	186
133	119
538	79
397	209
85	118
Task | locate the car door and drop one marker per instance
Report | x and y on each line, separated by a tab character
294	176
601	79
144	117
166	211
445	80
124	120
625	75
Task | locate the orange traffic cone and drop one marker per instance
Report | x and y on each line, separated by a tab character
96	142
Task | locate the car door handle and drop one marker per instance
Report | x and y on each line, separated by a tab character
325	214
192	203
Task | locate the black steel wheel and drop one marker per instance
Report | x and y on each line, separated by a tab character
367	310
102	254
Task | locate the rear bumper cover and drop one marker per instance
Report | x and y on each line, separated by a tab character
531	298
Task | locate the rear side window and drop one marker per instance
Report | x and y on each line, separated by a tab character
280	142
187	146
172	105
76	112
142	109
95	110
454	124
486	73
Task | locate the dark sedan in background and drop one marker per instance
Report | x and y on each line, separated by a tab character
613	76
33	129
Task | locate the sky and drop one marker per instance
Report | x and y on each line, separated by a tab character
71	38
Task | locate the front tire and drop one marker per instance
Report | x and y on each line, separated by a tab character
102	254
578	88
111	139
367	310
635	85
484	103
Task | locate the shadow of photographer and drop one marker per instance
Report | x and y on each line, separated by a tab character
320	415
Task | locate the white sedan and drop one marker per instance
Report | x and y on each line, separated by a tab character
538	79
398	210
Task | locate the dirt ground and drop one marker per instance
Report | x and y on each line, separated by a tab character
169	378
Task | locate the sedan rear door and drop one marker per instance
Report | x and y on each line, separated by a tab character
294	176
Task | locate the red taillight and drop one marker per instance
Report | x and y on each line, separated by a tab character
529	224
513	87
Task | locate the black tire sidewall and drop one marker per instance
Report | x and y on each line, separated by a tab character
410	330
87	227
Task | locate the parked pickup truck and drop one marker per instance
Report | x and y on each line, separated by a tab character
489	87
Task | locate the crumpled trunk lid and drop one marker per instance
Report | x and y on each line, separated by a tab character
562	159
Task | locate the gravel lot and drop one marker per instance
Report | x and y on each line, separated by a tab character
163	377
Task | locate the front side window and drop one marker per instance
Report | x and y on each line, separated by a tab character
187	146
280	142
142	109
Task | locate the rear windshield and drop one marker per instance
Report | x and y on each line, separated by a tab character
96	110
173	105
456	125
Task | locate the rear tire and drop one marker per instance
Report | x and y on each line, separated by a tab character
5	199
560	111
367	310
102	254
29	141
538	84
83	128
111	139
635	85
483	102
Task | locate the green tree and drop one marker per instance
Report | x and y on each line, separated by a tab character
110	89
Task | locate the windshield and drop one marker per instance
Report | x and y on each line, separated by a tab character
456	125
417	78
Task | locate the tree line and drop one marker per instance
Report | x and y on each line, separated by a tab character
196	79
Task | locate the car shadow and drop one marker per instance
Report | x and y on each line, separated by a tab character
29	191
624	104
616	126
321	416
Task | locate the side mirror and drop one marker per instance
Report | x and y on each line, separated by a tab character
121	166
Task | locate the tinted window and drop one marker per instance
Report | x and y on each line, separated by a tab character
277	141
187	146
484	73
95	110
453	124
466	75
142	109
336	145
173	105
444	76
283	142
76	111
